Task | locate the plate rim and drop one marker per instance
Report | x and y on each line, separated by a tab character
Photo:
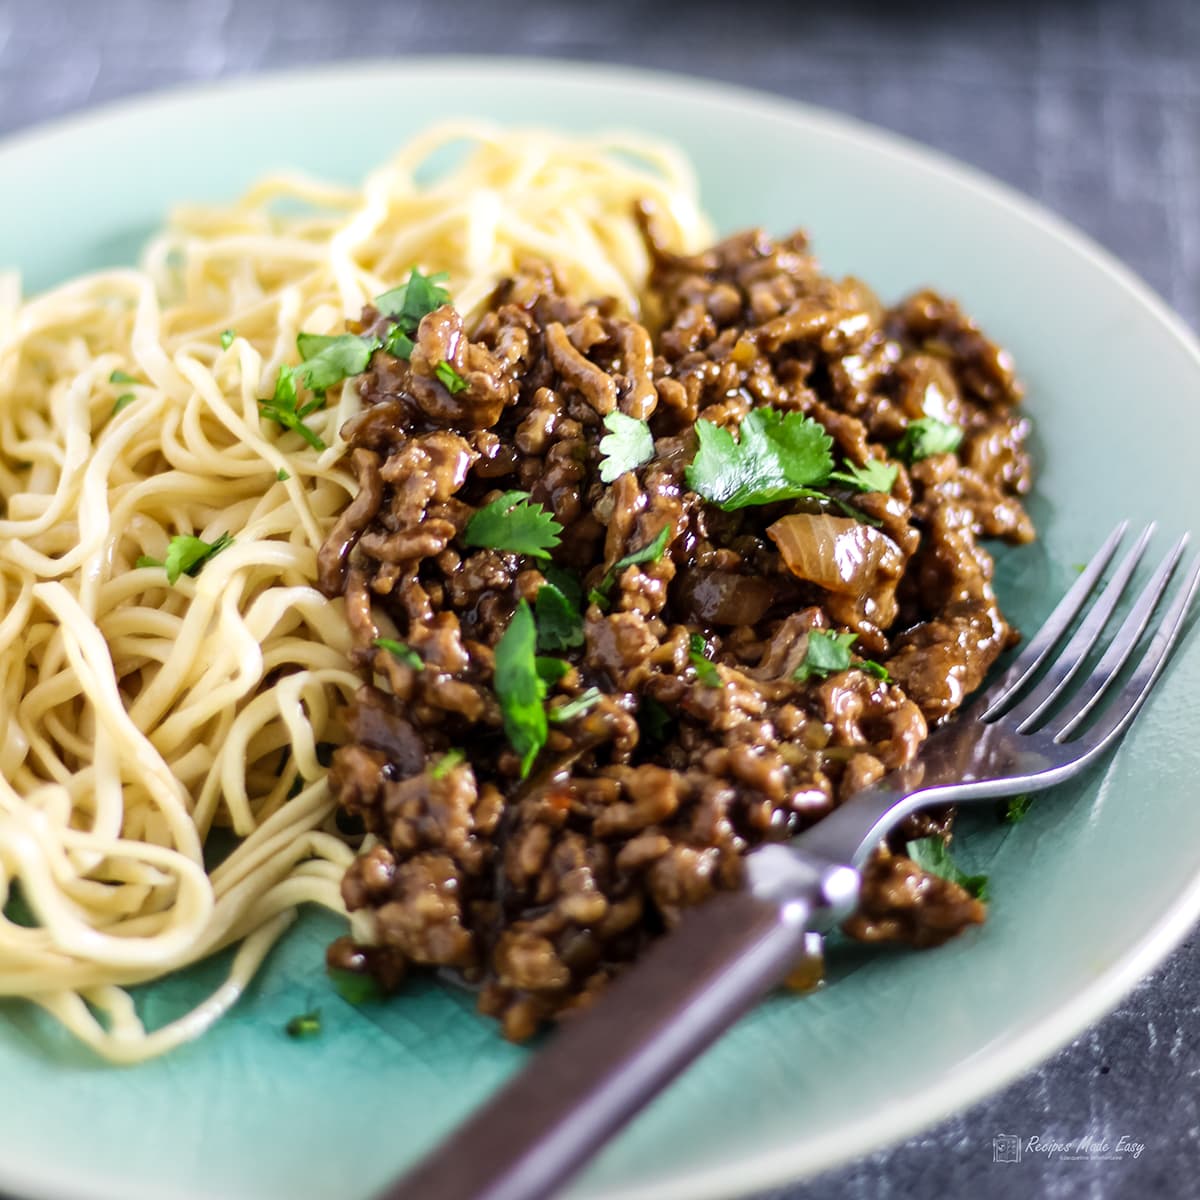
998	1063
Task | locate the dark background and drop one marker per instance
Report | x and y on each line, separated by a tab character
1092	107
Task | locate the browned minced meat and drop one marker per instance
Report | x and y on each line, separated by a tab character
539	889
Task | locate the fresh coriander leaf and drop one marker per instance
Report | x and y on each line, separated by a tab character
559	623
186	555
583	703
876	476
122	377
706	673
405	653
328	359
873	668
931	855
409	302
566	581
627	445
123	402
512	523
286	394
282	475
654	720
447	763
353	987
285	408
398	343
306	1025
1017	807
450	379
927	436
780	456
550	670
651	552
826	654
520	689
227	336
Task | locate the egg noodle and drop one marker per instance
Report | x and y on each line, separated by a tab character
140	717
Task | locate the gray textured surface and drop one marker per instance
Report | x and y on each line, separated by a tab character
1093	107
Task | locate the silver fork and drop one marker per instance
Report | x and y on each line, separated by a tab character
1023	734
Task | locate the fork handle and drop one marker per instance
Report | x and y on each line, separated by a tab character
608	1061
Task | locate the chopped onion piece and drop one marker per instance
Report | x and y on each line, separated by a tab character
837	553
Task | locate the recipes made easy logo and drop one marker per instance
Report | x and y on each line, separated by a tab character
1012	1148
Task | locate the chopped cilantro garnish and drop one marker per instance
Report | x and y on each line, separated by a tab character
447	763
409	302
450	379
627	445
353	987
227	336
931	855
877	669
186	555
828	653
706	673
520	688
876	476
405	653
550	670
510	522
123	402
583	703
398	343
406	305
559	623
306	1025
328	359
927	436
780	456
1017	807
566	581
651	552
282	475
285	408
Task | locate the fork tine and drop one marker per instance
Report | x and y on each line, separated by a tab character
1046	638
1124	707
1072	656
1123	644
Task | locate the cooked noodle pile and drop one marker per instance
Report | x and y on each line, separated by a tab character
139	716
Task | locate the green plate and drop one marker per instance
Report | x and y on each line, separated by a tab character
1090	891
